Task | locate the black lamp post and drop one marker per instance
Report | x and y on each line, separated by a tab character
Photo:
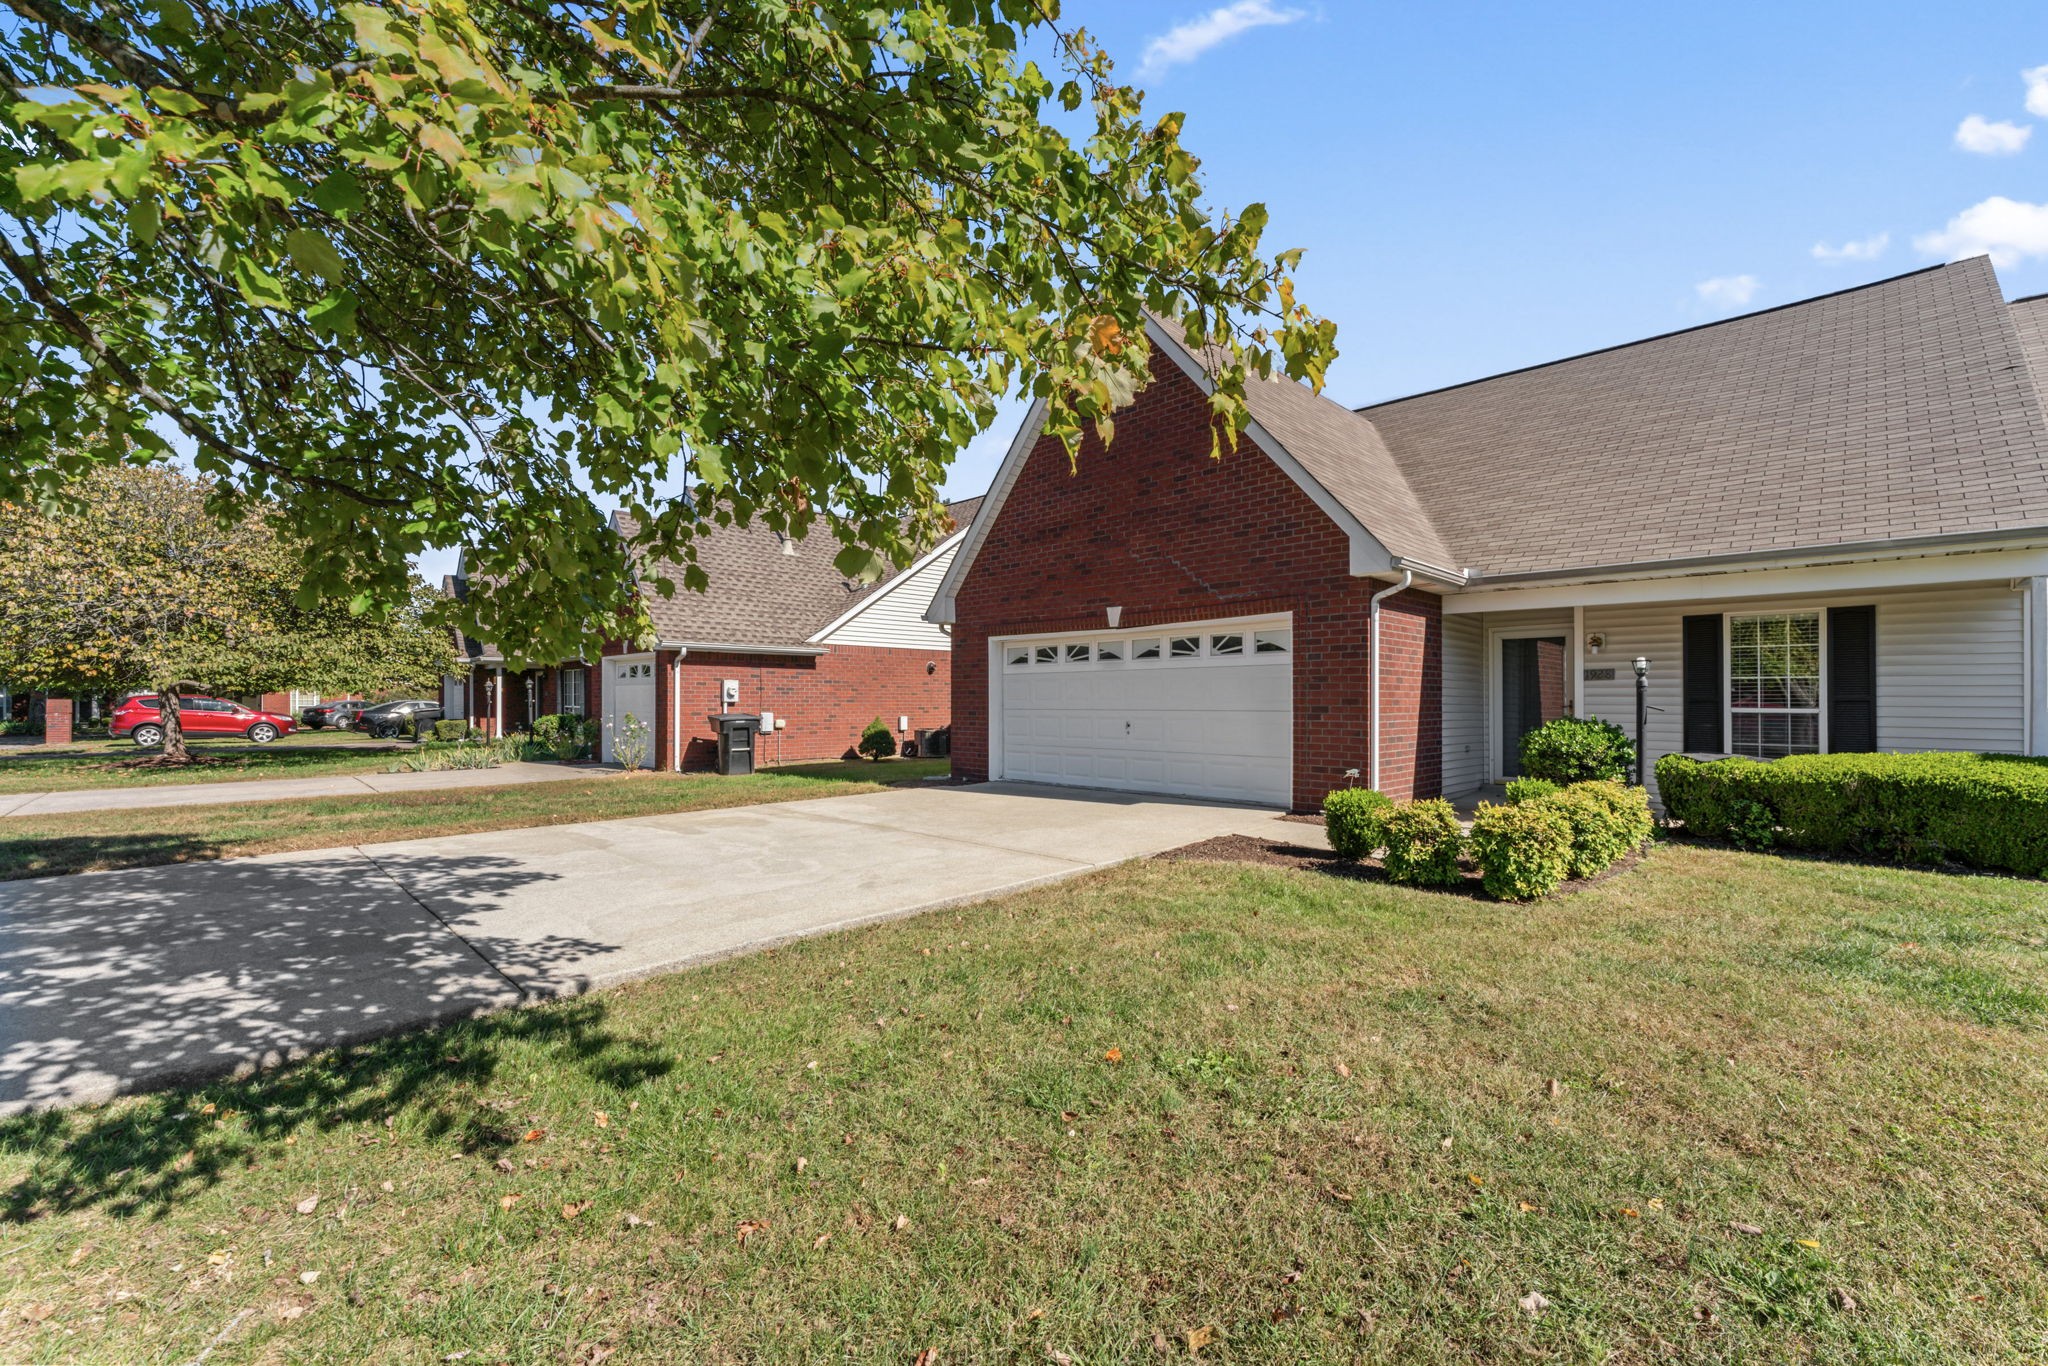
1642	720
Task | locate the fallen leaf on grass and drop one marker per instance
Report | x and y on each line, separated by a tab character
1475	1178
78	1254
388	1188
1656	1204
604	1121
930	1355
504	1164
634	1220
900	1222
1534	1302
1628	1213
818	1244
1198	1338
1751	1229
508	1201
801	1163
1553	1088
36	1313
1341	1197
574	1208
1806	1242
308	1277
1842	1300
1114	1055
534	1135
747	1229
1342	1070
308	1205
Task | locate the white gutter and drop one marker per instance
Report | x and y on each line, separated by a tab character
721	647
1373	732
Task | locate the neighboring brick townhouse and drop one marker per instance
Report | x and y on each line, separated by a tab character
1824	526
779	627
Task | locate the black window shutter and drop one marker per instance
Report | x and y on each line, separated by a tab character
1852	680
1703	684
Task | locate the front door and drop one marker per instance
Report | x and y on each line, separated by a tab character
1532	691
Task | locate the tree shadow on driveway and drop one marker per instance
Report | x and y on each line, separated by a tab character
113	983
136	981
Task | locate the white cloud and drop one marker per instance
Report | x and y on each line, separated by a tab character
1185	42
1728	291
1868	249
2004	229
1978	134
2037	90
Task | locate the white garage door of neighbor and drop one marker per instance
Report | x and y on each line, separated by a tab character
629	691
1195	711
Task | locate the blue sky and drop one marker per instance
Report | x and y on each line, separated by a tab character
1486	186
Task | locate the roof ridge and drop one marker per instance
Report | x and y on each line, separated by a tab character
1367	408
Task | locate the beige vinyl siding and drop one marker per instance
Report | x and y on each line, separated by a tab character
894	618
1951	668
1464	704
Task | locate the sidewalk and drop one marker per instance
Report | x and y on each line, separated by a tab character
281	789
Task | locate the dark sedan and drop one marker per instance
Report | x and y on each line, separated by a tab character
407	716
341	714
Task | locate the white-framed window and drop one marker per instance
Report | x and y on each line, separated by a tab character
1077	654
1272	642
1226	643
574	687
1145	649
1017	656
1046	654
1184	647
1774	684
1108	651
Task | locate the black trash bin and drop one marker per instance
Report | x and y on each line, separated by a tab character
736	732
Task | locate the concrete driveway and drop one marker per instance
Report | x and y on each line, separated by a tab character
117	982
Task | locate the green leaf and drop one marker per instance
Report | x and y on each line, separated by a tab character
176	101
259	287
315	255
339	193
335	314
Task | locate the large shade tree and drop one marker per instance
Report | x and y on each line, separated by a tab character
437	273
132	581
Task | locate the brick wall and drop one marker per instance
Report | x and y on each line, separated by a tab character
1154	525
826	699
57	713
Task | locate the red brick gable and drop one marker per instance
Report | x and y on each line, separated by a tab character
1154	525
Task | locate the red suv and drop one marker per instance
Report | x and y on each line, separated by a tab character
139	717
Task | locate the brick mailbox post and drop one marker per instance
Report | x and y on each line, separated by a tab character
57	721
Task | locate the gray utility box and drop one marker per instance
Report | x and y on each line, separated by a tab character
736	733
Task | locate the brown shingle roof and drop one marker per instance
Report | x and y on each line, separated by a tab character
1898	410
765	589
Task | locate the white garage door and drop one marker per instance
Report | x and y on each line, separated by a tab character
628	691
1197	711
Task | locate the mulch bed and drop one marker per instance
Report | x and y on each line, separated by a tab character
1273	853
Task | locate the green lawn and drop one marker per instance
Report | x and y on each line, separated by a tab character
112	763
1723	1107
41	846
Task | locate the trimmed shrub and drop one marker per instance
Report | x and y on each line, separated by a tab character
1528	789
1353	818
1605	819
1983	810
1423	841
1523	851
877	741
450	729
1575	749
564	736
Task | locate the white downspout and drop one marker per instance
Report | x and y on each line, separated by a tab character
675	711
498	704
1373	732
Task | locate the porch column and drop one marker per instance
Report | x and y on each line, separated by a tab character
498	701
2034	602
1575	685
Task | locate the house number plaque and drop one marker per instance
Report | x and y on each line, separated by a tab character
1599	675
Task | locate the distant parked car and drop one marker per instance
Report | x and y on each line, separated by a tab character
342	714
140	718
388	719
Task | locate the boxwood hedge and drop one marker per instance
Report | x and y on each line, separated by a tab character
1983	810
